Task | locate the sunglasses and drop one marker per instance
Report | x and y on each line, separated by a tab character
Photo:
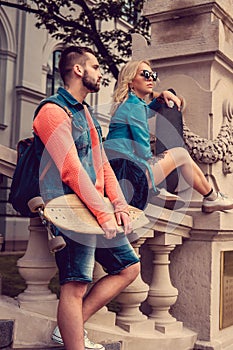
147	75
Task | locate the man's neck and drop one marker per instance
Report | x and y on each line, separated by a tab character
79	95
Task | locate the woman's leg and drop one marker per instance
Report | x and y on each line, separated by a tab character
179	157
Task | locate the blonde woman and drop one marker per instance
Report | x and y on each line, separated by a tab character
129	151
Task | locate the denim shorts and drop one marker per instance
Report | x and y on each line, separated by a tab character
76	261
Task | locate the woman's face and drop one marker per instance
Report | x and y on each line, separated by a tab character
143	82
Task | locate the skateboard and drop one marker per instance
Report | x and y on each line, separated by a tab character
69	213
168	134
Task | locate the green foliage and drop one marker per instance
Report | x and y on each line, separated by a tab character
76	22
12	282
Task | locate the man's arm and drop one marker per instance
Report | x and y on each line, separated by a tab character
115	195
55	130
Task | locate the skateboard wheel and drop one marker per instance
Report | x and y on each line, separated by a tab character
56	243
35	203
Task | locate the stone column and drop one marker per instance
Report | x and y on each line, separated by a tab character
130	317
198	272
1	242
162	294
170	228
37	267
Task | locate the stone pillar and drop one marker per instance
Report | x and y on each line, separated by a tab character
1	242
197	271
162	295
170	228
192	50
37	267
130	317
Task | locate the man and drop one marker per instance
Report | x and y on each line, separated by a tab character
74	145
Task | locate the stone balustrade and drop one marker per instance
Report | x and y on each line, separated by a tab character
164	231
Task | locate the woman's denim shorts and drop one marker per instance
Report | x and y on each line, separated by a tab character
76	261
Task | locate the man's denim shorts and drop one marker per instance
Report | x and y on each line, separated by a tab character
76	261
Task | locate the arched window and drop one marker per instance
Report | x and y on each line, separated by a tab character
5	58
53	76
131	12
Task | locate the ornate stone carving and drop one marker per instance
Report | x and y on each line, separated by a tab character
211	151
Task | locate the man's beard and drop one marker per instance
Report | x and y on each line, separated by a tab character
90	85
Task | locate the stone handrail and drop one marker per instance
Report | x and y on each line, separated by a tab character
8	158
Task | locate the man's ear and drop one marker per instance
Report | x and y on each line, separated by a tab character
78	70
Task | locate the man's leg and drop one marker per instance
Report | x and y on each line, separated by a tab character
75	263
70	315
107	288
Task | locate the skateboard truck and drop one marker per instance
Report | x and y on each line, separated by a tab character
55	243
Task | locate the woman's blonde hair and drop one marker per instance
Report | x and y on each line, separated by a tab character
126	76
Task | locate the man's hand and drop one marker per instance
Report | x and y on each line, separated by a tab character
110	226
124	220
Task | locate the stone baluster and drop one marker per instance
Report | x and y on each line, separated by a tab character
1	243
162	295
130	317
37	267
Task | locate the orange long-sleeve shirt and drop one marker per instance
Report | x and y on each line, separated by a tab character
54	128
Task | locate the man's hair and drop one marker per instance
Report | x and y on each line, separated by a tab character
71	56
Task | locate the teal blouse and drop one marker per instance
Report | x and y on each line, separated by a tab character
128	135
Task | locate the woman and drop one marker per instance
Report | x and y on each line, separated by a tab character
128	144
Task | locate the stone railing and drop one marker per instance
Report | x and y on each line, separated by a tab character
35	308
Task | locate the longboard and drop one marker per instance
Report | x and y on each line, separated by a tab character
68	212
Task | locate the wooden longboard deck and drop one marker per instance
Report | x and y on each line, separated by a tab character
68	212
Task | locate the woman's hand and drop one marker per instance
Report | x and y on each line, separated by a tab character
169	96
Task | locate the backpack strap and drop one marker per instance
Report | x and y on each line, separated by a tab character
60	103
53	99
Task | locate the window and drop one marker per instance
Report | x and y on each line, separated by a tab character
53	76
131	13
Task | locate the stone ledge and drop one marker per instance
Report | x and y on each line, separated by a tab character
108	346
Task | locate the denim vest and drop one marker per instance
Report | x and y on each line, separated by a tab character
51	186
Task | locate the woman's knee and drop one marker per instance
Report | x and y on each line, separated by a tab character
180	155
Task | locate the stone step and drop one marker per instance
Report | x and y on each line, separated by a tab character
108	346
6	337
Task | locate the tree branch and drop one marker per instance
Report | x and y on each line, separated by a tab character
66	27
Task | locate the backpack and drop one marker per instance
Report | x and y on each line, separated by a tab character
25	181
